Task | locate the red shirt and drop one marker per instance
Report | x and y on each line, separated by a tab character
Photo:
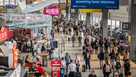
40	70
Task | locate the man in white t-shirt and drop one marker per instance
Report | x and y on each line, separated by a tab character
72	69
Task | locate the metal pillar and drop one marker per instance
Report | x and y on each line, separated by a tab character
92	19
132	27
67	9
88	19
104	23
120	25
111	27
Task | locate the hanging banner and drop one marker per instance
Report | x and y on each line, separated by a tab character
5	34
52	10
56	68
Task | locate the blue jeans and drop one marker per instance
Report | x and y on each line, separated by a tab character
62	72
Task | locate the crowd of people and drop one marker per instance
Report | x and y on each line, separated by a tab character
109	51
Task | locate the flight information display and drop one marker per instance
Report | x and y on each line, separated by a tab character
94	4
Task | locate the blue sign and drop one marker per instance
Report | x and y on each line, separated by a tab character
11	6
94	4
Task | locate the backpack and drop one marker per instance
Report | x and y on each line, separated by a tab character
118	65
101	56
67	59
107	68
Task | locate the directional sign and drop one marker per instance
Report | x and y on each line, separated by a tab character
90	10
95	4
11	6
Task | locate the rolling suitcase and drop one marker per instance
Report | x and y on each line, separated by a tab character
83	68
78	74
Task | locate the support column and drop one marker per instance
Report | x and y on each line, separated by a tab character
111	27
104	23
92	19
120	25
132	27
88	19
67	9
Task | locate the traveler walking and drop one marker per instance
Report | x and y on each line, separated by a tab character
87	60
73	40
112	57
92	74
63	67
72	69
106	69
127	68
101	57
67	60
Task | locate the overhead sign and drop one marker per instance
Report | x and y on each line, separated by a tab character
90	10
10	6
95	4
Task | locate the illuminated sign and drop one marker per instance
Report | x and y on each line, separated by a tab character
95	4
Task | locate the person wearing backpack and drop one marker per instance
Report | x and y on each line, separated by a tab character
87	60
63	67
127	68
72	69
101	57
106	69
112	57
118	66
92	74
67	60
73	40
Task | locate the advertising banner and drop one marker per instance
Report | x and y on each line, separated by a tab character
5	34
56	68
52	11
29	20
95	4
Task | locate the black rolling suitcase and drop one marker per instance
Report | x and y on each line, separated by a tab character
78	74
